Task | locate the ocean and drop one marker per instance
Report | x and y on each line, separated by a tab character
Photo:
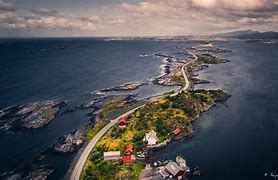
237	140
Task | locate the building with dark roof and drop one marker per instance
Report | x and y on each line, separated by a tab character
174	169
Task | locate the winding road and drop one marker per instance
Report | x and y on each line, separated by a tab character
187	83
186	86
78	167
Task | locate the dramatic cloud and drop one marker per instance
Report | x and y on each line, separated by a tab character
153	17
7	6
195	16
48	19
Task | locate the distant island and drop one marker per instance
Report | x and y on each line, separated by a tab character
249	34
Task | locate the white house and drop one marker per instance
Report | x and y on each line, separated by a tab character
151	138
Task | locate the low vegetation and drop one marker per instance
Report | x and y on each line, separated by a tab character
96	128
210	59
162	115
178	79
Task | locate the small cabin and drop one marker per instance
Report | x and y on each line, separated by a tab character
176	132
122	122
129	149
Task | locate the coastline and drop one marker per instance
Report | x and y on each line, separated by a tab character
150	98
193	69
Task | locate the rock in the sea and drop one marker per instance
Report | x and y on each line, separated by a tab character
69	142
210	59
28	172
39	174
71	108
30	116
213	50
198	81
100	102
124	87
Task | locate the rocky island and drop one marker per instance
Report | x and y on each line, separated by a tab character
100	102
173	74
69	143
29	117
124	87
30	171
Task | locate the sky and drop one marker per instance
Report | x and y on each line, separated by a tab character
77	18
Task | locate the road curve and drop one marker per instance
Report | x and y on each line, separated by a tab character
186	86
78	167
187	83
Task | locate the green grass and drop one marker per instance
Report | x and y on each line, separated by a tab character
178	79
137	168
117	110
98	126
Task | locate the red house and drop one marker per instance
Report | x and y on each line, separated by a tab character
176	132
126	159
129	149
122	122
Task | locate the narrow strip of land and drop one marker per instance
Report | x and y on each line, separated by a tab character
77	170
187	83
186	86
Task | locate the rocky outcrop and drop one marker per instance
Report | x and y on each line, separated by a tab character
30	116
41	173
124	87
100	102
198	81
210	59
69	143
29	172
213	50
219	95
172	68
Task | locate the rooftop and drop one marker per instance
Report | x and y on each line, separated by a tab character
112	153
151	134
173	168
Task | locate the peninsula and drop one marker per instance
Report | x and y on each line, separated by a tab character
168	117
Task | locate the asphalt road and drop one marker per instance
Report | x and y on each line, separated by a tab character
77	170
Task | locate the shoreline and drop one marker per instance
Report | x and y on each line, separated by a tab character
187	66
148	98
